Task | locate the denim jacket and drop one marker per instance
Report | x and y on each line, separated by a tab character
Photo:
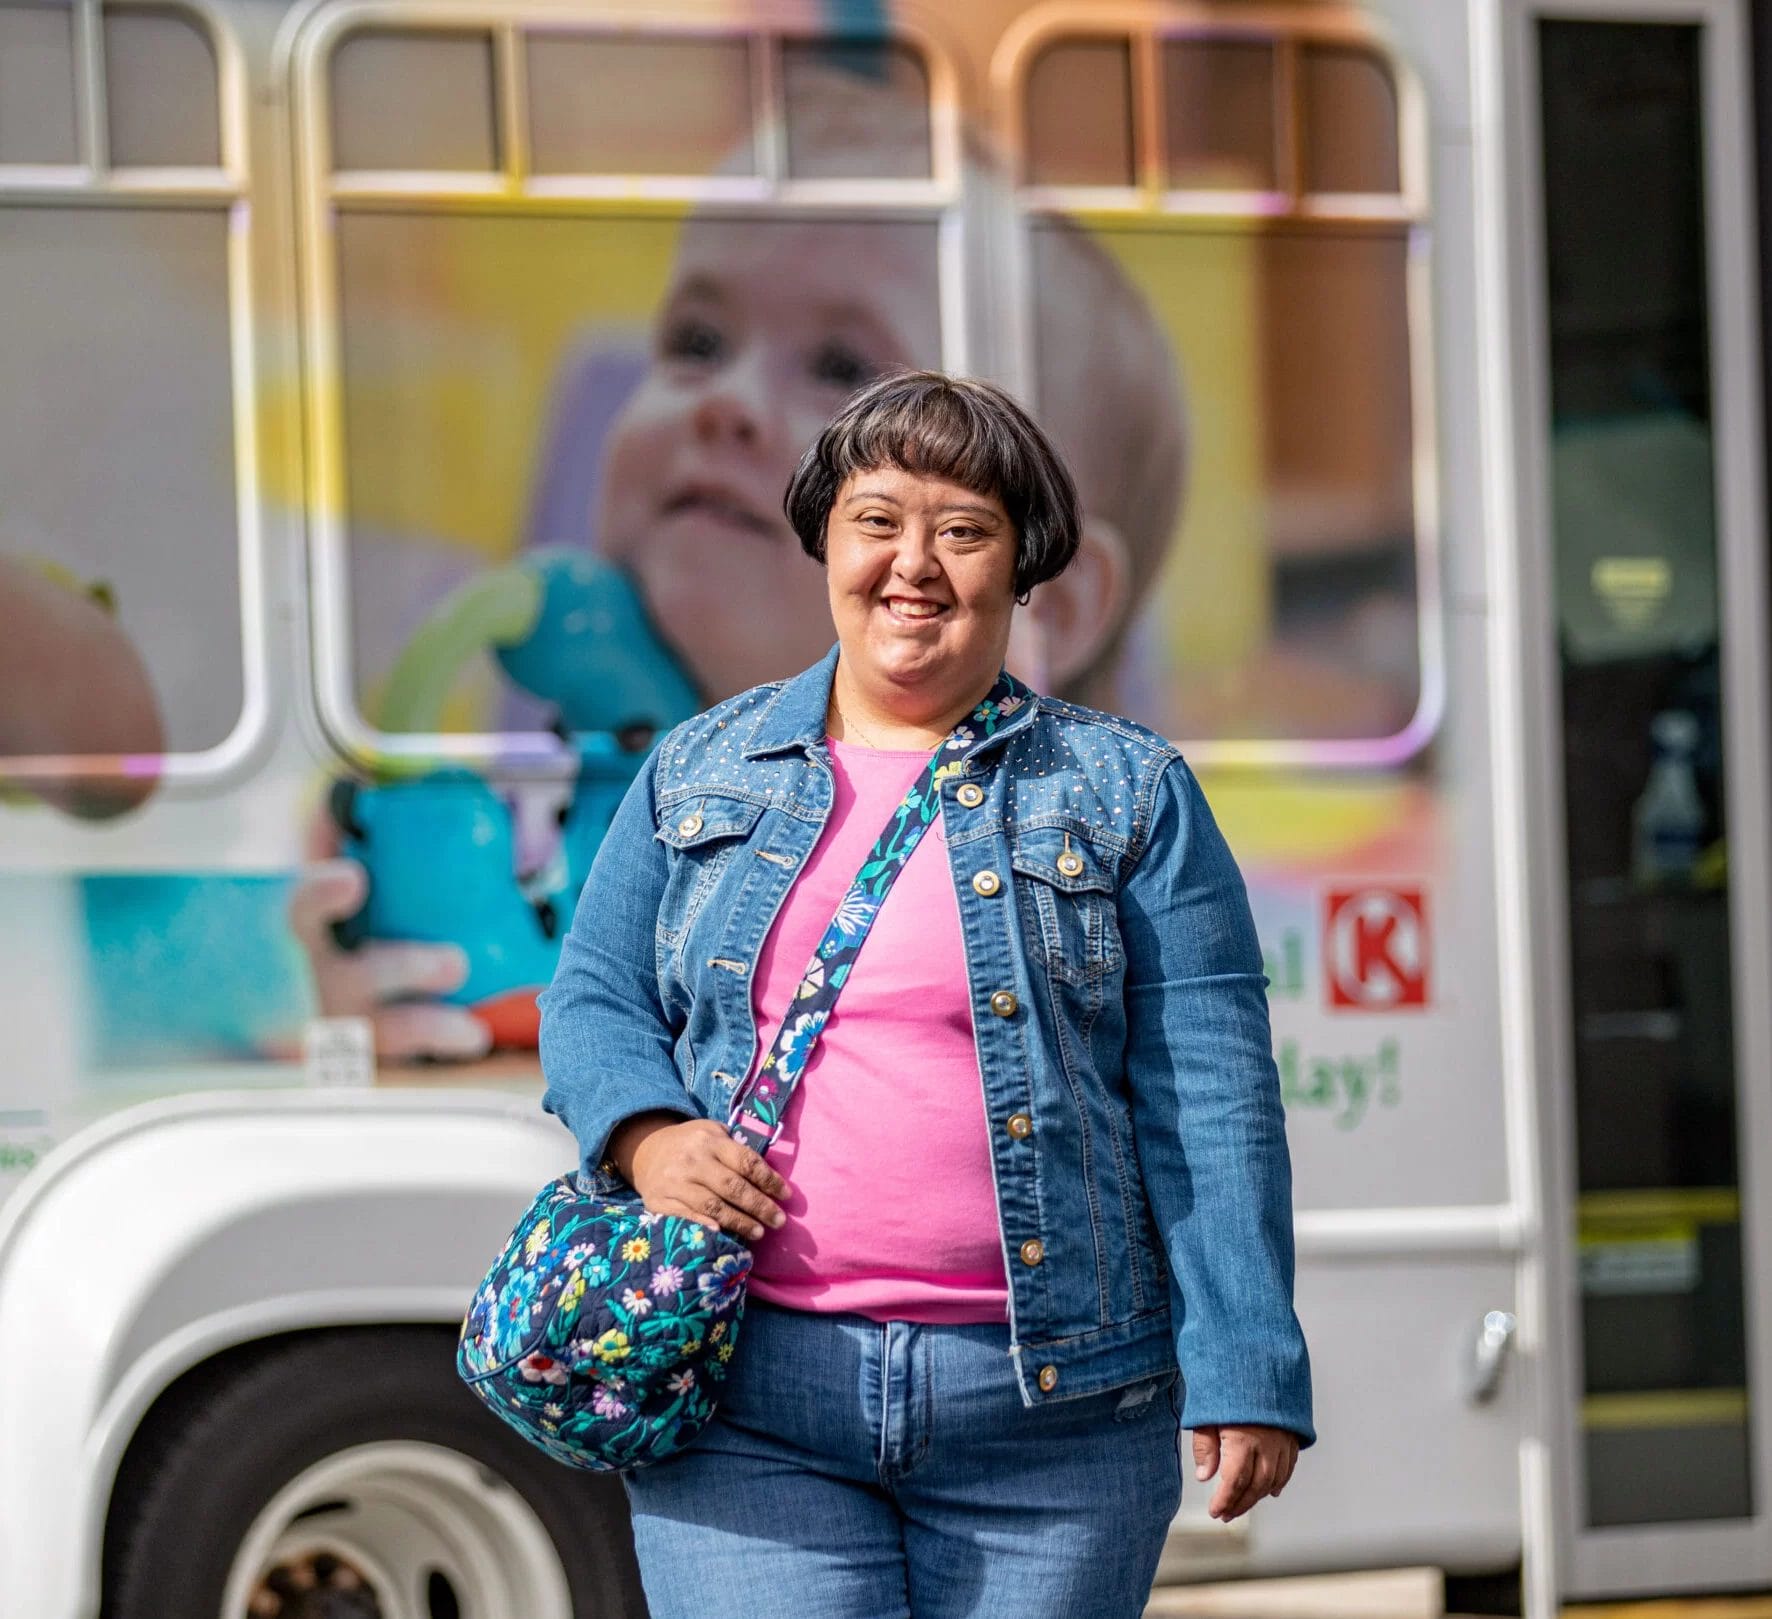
1137	1141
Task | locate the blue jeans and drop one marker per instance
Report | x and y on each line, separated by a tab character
867	1470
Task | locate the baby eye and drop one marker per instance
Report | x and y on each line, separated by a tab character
841	366
691	338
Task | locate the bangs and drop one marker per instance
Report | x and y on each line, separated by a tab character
944	435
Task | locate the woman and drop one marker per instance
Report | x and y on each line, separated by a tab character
1037	1157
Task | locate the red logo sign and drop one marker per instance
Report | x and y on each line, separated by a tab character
1375	950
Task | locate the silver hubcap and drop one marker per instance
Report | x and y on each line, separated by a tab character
397	1530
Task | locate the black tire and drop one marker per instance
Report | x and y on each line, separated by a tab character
227	1438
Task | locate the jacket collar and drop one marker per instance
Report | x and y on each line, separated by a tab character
795	716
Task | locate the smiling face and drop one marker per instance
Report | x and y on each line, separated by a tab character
922	588
767	328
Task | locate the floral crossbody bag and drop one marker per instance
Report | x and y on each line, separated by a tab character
603	1331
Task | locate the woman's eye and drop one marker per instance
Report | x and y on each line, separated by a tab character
840	366
690	338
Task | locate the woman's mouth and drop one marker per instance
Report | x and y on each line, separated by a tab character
913	610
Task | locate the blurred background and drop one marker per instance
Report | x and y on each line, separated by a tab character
395	403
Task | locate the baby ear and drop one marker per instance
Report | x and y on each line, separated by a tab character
1074	616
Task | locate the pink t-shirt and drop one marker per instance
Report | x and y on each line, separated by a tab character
893	1212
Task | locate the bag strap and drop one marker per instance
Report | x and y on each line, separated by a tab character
758	1109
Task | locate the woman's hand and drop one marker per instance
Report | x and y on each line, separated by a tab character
1252	1461
693	1168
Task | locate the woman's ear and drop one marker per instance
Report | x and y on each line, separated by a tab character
1073	617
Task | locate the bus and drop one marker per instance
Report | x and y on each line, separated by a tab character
362	364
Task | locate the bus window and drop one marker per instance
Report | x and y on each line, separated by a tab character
37	117
1280	546
517	431
123	571
1218	115
896	143
420	101
1350	136
594	106
161	100
1078	129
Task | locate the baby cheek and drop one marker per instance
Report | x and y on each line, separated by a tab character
628	488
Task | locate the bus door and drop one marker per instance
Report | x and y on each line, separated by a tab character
1644	584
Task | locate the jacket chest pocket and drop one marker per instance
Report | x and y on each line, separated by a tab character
1066	897
704	831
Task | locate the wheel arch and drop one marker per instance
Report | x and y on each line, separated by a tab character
171	1408
148	1251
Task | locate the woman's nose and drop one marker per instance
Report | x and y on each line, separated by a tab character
915	559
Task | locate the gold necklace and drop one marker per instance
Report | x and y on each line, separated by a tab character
871	740
849	724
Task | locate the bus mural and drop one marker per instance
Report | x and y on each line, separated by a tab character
401	398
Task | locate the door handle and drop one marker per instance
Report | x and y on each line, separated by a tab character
1488	1355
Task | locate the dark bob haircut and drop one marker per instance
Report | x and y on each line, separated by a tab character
958	428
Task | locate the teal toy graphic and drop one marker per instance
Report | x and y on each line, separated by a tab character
565	626
591	651
495	868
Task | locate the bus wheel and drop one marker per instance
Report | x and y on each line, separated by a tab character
349	1475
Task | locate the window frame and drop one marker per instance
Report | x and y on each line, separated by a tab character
225	187
1148	203
511	188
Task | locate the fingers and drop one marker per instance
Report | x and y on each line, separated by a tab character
1236	1467
327	891
1257	1477
1288	1461
695	1169
390	971
754	1167
1254	1464
331	890
320	839
741	1207
379	980
391	983
735	1180
1205	1453
430	1031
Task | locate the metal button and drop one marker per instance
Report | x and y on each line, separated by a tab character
689	825
986	883
1048	1379
1020	1126
1004	1003
1032	1251
1071	863
971	795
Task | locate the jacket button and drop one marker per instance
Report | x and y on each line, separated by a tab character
1004	1003
1020	1126
986	883
689	825
1032	1251
1070	864
971	795
1048	1379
